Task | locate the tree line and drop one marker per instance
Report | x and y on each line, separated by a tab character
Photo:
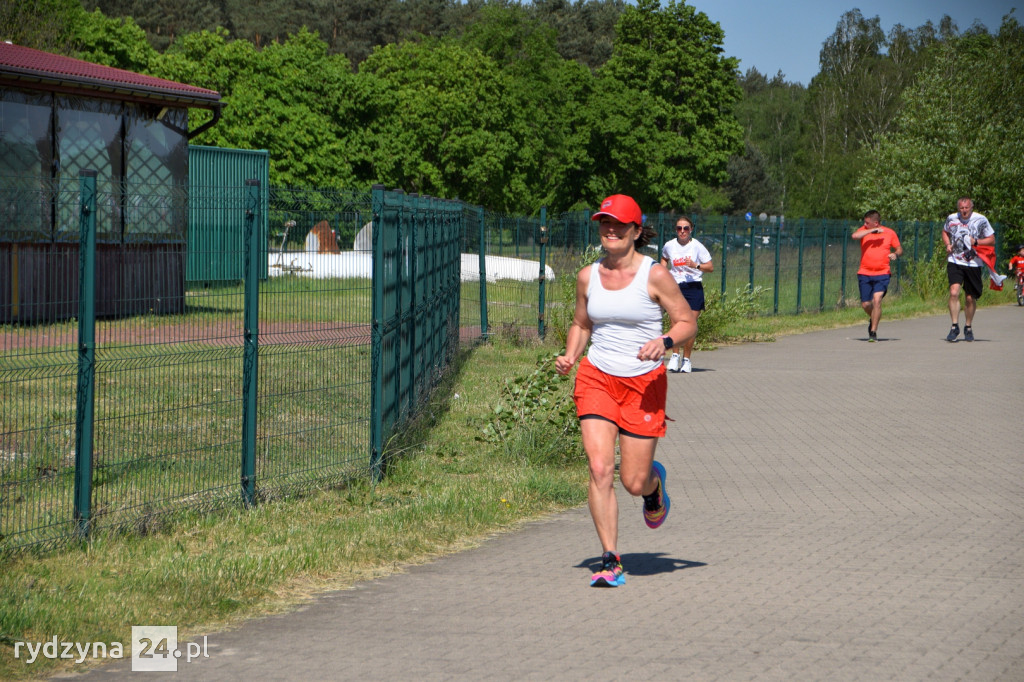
515	105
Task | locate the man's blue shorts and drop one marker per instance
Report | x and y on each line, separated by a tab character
870	284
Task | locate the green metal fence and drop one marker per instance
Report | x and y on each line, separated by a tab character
803	266
128	391
252	389
505	273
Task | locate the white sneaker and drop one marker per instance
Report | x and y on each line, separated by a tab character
686	366
673	363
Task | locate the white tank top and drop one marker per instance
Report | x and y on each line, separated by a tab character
623	321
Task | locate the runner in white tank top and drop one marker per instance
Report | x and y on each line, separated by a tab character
621	385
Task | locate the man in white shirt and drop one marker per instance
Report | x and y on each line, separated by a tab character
963	231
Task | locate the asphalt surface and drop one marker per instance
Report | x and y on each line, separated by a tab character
841	510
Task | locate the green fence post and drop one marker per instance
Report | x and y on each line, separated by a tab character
377	335
821	284
900	233
725	250
400	340
778	258
251	336
800	266
751	276
86	352
842	282
483	271
543	270
414	322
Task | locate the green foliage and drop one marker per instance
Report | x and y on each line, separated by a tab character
958	133
49	25
534	419
926	278
749	187
290	98
162	22
471	100
519	105
440	123
711	201
848	105
661	116
720	311
770	113
114	42
1012	236
545	97
585	29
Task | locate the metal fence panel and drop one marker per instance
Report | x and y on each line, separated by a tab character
215	232
166	385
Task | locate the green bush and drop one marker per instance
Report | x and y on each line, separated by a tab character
534	419
720	310
926	278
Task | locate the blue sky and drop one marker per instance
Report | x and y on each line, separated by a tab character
788	35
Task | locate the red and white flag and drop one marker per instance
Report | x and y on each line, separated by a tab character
987	255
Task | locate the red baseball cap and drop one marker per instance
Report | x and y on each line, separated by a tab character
622	208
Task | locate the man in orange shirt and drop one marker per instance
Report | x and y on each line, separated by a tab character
879	246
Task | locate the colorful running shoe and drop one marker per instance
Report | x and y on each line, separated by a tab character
611	574
656	505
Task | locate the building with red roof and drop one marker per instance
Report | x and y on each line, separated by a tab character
60	116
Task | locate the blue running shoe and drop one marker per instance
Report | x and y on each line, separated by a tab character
611	574
656	505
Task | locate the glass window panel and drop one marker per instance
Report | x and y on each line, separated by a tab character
26	159
89	138
156	173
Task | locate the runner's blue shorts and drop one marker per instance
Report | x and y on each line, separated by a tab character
870	284
693	292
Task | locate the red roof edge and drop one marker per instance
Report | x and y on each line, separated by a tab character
19	63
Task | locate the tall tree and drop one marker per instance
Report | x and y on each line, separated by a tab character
771	112
852	101
290	98
749	186
958	133
548	94
663	106
110	41
585	29
441	122
164	21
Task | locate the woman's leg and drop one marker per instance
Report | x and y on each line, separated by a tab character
599	443
635	472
